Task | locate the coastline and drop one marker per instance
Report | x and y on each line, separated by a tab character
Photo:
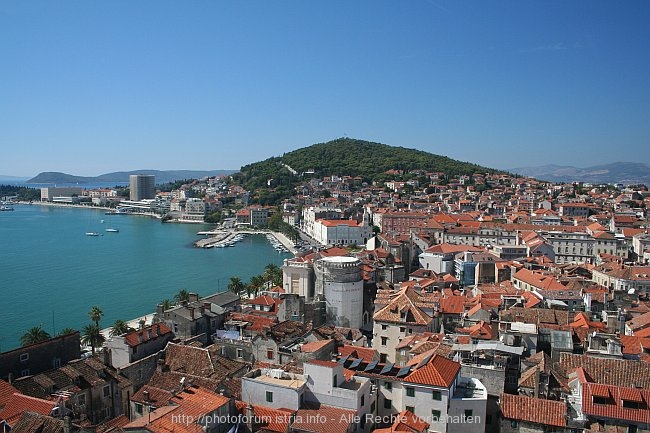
83	206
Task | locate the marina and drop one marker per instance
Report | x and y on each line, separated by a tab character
222	238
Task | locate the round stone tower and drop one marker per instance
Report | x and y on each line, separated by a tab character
340	282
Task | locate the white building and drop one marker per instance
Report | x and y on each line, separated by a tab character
340	282
430	387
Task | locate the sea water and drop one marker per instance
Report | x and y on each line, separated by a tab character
52	273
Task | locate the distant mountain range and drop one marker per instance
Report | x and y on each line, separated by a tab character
615	172
123	176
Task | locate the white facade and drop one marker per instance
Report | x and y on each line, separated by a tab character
340	281
298	278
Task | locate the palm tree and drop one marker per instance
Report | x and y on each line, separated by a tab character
91	335
34	335
120	327
273	273
256	283
236	285
66	331
182	296
96	314
166	304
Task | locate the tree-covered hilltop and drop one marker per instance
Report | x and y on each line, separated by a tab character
273	180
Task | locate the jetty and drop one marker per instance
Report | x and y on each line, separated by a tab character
228	237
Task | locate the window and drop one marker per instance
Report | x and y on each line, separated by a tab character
382	358
269	396
410	391
56	363
24	357
81	399
600	400
363	400
631	404
402	329
384	327
410	409
107	391
24	372
240	353
335	381
435	415
138	408
468	413
514	424
388	404
436	395
269	354
388	385
384	340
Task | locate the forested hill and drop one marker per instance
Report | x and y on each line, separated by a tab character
342	157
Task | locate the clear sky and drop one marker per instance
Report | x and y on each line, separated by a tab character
89	87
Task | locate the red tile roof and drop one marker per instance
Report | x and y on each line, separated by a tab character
366	353
149	333
6	392
439	371
19	403
266	418
335	420
534	410
611	401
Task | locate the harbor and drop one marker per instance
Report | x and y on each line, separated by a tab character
222	238
64	272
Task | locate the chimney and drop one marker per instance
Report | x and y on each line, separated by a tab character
145	394
192	313
66	424
250	417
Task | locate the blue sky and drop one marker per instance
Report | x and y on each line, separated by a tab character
93	87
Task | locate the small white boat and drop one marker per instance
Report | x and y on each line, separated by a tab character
112	230
92	234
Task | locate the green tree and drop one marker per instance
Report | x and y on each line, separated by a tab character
92	336
166	304
273	273
96	314
120	327
66	331
34	335
182	296
236	285
256	284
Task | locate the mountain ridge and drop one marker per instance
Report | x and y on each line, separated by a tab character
275	178
615	172
162	176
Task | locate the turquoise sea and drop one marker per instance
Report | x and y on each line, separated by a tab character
51	273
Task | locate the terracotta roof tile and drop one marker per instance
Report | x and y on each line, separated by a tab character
439	371
534	410
19	403
149	333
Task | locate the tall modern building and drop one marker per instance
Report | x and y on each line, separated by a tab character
142	186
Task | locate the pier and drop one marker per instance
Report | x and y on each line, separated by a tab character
220	237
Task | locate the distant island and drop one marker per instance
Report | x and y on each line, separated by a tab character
162	176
